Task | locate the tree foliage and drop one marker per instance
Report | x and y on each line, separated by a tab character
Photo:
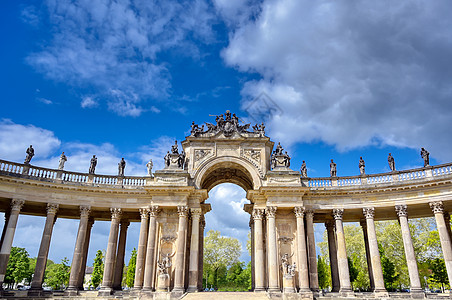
58	275
98	269
130	274
439	272
352	267
18	267
322	269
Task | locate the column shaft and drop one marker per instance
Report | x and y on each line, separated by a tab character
302	254
313	275
41	261
374	252
332	250
409	249
5	251
141	252
81	277
438	210
258	214
4	228
342	260
273	286
78	251
149	270
107	280
368	259
180	252
253	272
194	251
119	263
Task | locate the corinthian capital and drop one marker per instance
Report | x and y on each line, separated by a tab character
309	214
195	213
52	208
182	211
144	213
115	213
270	211
299	211
258	214
369	212
16	204
338	213
154	210
437	207
402	210
85	211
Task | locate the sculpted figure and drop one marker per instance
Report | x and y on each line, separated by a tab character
286	160
425	156
285	263
220	121
362	166
291	269
227	116
121	167
167	159
279	149
235	120
149	166
30	153
181	160
174	149
93	164
63	159
273	160
333	169
164	264
304	170
391	162
262	128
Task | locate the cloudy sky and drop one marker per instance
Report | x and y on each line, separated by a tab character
124	78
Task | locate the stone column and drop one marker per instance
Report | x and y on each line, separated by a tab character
259	271
332	250
5	251
377	271
150	252
180	254
4	228
409	250
141	252
194	251
438	210
107	280
447	220
313	275
119	263
76	267
368	259
342	261
81	277
202	225
38	276
251	224
302	254
273	269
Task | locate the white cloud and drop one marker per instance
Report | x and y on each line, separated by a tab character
88	102
16	138
45	101
351	74
112	47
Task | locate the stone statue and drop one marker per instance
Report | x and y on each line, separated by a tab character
164	264
181	160
30	153
174	149
291	269
279	149
167	159
286	160
273	160
149	166
93	164
425	156
63	159
288	269
121	167
333	169
391	162
362	166
304	170
235	120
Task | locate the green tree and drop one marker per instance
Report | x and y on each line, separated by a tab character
18	267
130	275
439	272
58	275
322	269
98	269
219	251
389	269
354	271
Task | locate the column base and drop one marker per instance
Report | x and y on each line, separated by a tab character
35	292
105	291
381	293
347	293
417	294
71	291
192	289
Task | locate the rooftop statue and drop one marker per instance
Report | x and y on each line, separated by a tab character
333	169
304	170
149	166
63	159
30	153
279	159
121	167
175	160
425	156
227	124
362	166
93	164
391	162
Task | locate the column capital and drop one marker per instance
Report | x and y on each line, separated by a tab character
299	211
369	212
52	208
309	214
270	211
338	213
437	207
16	204
402	210
258	213
196	213
330	225
125	223
154	210
182	211
116	212
85	211
144	213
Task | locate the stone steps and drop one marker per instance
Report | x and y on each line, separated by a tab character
225	296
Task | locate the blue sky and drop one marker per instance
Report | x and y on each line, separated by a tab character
125	78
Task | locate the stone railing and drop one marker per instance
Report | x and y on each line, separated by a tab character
383	178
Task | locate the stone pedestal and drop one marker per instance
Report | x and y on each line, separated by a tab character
163	283
288	285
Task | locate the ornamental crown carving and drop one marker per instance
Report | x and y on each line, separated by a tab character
270	211
154	210
330	225
258	214
338	213
52	208
16	204
437	207
115	212
299	211
369	212
144	213
402	210
85	211
195	213
182	211
309	214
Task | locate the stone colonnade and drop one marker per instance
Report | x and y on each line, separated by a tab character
187	240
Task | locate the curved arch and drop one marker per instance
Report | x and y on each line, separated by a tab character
227	169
